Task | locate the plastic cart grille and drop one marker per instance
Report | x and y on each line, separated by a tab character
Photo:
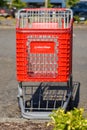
42	56
44	18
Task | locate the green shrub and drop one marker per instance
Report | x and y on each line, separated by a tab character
72	120
76	18
85	22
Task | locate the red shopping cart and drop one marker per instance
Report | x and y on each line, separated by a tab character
44	60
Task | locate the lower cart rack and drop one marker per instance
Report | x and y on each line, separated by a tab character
37	102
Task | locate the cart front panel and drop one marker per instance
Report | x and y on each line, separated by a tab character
44	56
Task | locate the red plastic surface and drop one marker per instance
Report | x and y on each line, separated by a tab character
45	25
41	47
64	55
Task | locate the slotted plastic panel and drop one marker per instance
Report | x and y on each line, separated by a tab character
42	56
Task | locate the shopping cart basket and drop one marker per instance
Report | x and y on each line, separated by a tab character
44	60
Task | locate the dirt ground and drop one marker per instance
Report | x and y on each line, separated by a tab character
10	118
25	125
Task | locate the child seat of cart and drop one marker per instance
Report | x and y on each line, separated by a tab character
45	25
41	25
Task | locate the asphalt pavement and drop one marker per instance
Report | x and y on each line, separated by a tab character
80	63
8	83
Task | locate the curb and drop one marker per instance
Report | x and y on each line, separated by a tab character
7	27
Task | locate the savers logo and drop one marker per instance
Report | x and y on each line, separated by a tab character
42	47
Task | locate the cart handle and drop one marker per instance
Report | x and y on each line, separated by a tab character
46	9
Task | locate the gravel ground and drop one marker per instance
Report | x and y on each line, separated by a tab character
25	125
9	111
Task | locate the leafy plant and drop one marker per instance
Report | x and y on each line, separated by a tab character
3	3
85	22
72	120
18	4
76	18
49	4
70	3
